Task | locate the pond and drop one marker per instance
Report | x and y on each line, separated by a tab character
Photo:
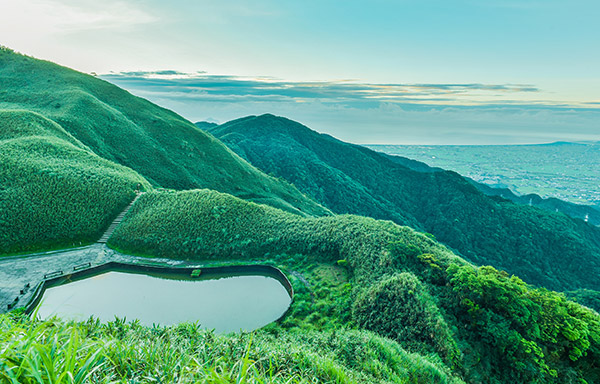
225	304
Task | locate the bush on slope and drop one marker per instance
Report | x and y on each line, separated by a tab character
401	308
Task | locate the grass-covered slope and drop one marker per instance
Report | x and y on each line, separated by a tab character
54	192
48	351
205	224
480	324
544	248
166	149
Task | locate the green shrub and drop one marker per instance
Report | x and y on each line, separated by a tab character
342	262
399	307
539	333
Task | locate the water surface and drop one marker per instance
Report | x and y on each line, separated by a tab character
227	304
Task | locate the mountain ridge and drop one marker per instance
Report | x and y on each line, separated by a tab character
373	301
166	149
589	213
519	239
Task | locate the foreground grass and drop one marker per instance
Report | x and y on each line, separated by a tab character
60	352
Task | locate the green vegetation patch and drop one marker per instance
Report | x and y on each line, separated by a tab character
401	308
53	351
479	323
53	191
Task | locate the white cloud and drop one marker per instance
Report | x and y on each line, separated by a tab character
343	110
84	35
389	123
37	18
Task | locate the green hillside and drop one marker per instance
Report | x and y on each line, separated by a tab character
565	170
543	248
54	192
166	149
480	324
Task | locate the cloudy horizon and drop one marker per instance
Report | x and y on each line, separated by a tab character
365	113
398	72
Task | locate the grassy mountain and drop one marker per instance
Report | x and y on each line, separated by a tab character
54	191
543	248
374	302
166	149
478	323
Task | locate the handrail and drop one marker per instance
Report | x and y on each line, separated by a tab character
207	272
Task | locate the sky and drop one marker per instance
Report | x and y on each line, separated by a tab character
390	72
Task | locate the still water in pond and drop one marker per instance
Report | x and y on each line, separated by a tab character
227	304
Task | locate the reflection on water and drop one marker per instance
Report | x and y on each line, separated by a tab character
227	304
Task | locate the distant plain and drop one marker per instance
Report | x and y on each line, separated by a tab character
567	171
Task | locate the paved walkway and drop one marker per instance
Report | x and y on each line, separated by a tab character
17	272
19	275
117	221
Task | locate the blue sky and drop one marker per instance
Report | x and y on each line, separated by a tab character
431	72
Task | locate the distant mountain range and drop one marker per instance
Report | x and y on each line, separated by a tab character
561	170
588	213
545	248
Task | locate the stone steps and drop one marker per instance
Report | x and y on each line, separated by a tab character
111	228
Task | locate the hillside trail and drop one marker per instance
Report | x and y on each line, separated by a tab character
20	274
111	228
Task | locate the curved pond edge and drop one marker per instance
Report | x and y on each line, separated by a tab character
190	273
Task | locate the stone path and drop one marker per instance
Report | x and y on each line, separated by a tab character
111	228
17	272
19	275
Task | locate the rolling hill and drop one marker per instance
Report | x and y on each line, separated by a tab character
544	248
54	191
164	148
374	302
